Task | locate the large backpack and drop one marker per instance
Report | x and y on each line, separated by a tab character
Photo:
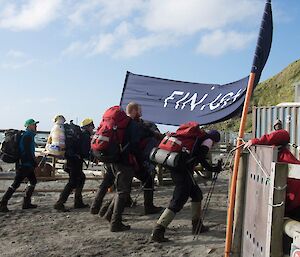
107	142
171	148
73	136
9	150
184	138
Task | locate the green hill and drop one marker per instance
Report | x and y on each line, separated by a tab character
280	88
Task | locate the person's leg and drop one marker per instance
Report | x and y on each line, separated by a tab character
109	210
59	205
9	192
124	175
107	182
29	189
148	187
197	222
78	202
181	194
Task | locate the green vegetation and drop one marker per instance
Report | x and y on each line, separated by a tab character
273	91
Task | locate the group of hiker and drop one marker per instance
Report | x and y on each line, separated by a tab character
130	147
124	143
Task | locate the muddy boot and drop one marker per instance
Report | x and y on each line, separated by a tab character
27	199
116	219
149	207
197	224
3	204
59	205
198	227
109	210
78	203
96	205
158	233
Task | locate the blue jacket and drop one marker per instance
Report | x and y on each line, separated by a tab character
27	150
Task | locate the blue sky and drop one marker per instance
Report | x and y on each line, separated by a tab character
70	57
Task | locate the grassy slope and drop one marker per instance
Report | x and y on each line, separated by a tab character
273	91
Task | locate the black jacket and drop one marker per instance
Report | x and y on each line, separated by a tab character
85	150
132	138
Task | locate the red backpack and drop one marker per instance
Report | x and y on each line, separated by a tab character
183	139
107	142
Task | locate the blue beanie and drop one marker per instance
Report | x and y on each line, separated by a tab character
214	135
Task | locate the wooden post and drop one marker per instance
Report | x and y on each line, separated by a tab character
232	191
239	206
280	181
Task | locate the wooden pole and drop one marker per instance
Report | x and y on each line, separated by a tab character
239	204
232	192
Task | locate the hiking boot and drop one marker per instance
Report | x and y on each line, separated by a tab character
78	202
3	207
59	206
27	199
118	204
119	227
81	205
28	205
94	210
197	223
3	204
158	234
152	209
198	227
149	207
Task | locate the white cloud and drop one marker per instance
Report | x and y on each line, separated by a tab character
188	17
130	28
219	42
31	14
136	46
100	44
122	42
103	12
15	59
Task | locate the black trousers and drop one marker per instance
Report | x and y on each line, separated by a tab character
76	175
185	187
145	177
109	178
21	174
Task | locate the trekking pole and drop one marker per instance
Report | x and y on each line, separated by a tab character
205	207
210	192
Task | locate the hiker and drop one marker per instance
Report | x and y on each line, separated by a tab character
116	144
193	150
24	167
78	142
145	172
281	138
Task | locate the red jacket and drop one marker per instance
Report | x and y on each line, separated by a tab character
282	137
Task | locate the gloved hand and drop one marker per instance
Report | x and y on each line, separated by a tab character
248	144
218	168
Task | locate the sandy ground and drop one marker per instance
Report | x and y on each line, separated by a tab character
45	232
